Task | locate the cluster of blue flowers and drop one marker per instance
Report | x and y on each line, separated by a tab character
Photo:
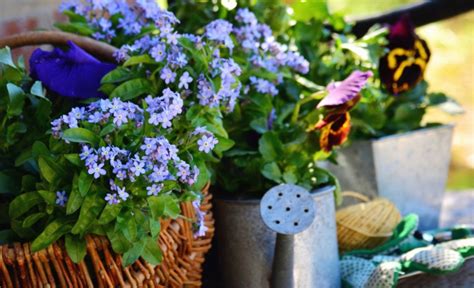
155	161
134	17
262	50
218	85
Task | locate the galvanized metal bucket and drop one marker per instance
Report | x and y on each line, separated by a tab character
409	169
245	246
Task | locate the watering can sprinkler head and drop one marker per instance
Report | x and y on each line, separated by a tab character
288	210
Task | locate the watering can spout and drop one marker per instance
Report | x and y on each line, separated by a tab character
288	210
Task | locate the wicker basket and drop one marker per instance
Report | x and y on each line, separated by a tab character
365	225
183	256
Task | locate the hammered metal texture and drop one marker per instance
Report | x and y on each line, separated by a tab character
245	246
410	169
287	209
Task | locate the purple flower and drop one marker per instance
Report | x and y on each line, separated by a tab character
246	17
86	152
96	170
122	193
160	173
120	117
111	199
96	117
183	171
343	92
61	198
154	189
207	143
200	215
184	80
219	31
73	73
200	130
263	86
138	167
167	75
158	52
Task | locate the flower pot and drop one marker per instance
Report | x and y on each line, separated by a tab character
245	246
410	169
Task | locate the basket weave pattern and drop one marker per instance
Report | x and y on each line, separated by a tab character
183	256
366	225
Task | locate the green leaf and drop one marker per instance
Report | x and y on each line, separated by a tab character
107	129
23	203
73	17
272	172
17	99
132	254
6	57
141	59
46	169
76	248
8	184
408	116
48	196
270	146
50	234
305	10
290	177
24	157
38	91
156	206
32	219
117	75
109	213
14	129
80	135
260	125
152	252
132	89
119	243
223	145
164	205
75	198
84	183
74	159
155	227
39	149
76	28
90	209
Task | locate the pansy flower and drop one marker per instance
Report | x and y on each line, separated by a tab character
342	96
72	73
405	63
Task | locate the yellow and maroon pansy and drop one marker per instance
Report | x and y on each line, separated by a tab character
341	98
405	63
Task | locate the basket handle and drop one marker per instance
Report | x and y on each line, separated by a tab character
356	195
99	49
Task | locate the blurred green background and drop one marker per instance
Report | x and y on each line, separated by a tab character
451	70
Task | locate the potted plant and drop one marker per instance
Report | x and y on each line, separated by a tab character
390	142
276	128
119	172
